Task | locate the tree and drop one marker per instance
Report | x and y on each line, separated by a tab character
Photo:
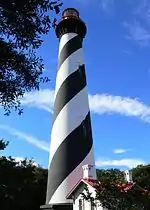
22	184
114	193
115	175
107	190
141	175
3	144
22	25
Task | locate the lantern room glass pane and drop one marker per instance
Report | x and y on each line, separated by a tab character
70	12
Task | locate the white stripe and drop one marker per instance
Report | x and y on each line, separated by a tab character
69	118
68	184
70	65
64	39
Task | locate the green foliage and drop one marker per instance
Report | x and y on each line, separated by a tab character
22	185
113	175
22	26
3	144
114	197
141	175
112	191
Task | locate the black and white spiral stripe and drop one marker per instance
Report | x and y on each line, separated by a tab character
71	136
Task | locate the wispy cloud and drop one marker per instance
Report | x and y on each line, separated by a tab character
120	151
138	33
138	29
143	10
107	5
85	2
127	162
127	52
99	104
26	137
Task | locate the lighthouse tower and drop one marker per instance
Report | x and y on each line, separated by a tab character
71	137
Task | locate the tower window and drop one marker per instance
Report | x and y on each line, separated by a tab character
84	129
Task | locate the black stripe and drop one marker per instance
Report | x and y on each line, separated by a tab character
70	47
69	155
73	84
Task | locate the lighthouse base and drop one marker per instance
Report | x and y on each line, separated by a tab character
60	206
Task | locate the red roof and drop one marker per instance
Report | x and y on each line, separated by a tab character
91	182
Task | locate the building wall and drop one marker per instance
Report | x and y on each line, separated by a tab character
86	205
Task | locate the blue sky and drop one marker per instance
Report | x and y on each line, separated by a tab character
117	49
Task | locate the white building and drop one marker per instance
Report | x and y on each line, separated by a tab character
128	176
79	202
76	194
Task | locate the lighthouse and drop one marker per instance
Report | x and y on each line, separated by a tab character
71	145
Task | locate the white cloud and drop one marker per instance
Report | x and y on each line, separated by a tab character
26	137
99	104
42	99
120	151
127	162
20	159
